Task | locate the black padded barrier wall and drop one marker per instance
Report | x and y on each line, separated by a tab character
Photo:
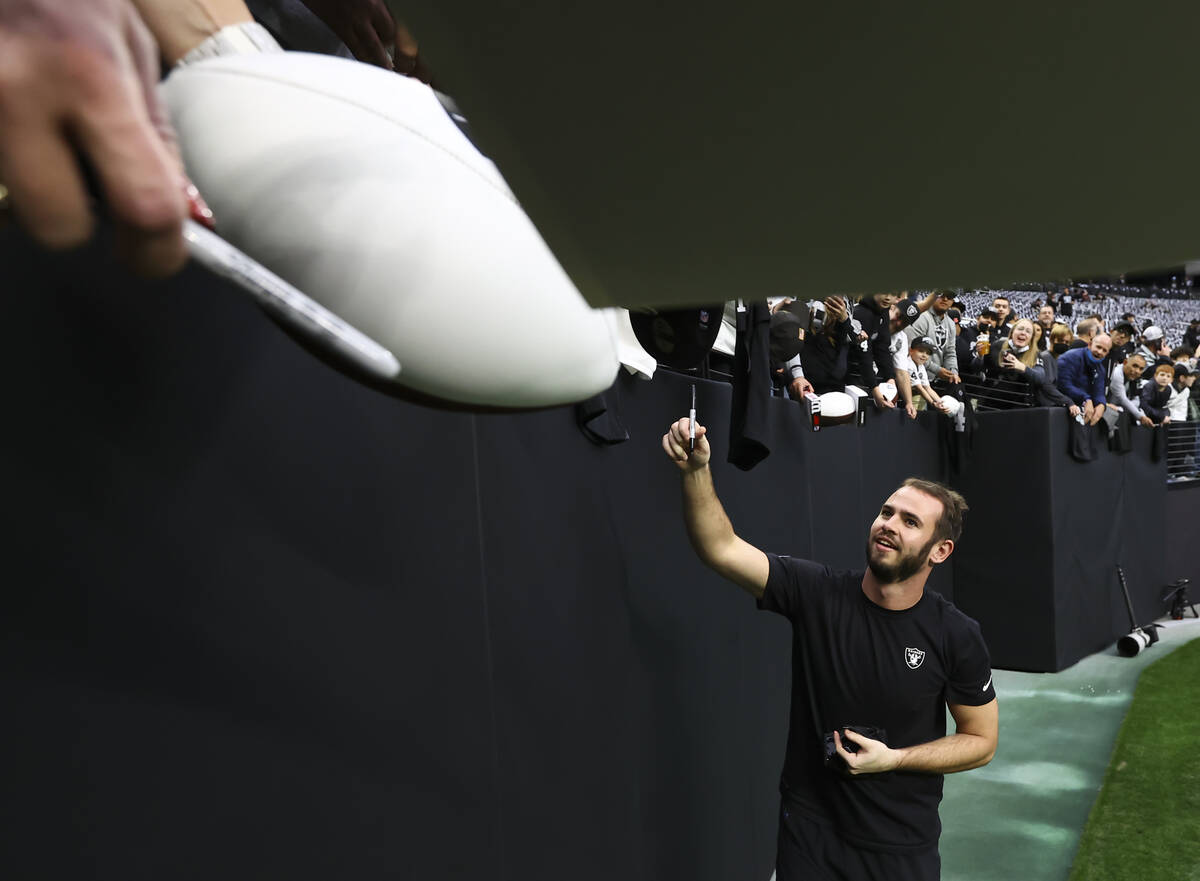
262	622
1183	531
1037	565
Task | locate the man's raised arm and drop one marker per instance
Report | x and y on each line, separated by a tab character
708	527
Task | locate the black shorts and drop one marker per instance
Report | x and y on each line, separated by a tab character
810	850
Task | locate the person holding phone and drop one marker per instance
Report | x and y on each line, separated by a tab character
825	357
1019	373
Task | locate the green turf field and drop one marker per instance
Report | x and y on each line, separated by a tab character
1146	821
1022	816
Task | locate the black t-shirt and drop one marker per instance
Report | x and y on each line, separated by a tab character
856	663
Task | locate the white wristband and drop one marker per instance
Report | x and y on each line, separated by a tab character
247	38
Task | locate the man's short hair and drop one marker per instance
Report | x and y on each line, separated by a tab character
954	506
1124	327
1087	327
1137	355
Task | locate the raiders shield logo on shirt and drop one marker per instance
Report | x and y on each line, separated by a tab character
913	657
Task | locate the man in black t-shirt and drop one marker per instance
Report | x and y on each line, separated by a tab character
870	649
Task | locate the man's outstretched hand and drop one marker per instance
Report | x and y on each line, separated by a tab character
78	88
675	442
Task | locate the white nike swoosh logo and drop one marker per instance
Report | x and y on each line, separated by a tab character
987	684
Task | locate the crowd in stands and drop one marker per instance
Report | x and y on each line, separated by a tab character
1108	359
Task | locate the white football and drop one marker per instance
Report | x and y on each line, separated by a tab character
835	405
354	185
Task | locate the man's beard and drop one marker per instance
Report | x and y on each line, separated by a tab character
902	569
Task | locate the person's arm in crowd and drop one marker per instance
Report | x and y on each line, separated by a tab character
1035	374
839	316
919	328
1118	396
1177	404
1158	415
925	304
991	361
901	365
1069	370
934	399
708	526
867	377
1099	386
972	745
950	357
1098	400
1049	387
797	384
859	369
904	391
78	87
880	359
881	353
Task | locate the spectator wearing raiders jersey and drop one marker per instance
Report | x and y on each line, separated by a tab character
901	317
939	327
871	359
871	648
919	352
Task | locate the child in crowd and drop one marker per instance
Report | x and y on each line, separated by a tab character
1156	394
919	351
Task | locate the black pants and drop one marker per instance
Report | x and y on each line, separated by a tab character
810	850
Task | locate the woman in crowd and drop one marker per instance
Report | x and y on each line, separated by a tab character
1060	339
1019	374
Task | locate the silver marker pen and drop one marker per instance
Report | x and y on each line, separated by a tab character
692	421
288	303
